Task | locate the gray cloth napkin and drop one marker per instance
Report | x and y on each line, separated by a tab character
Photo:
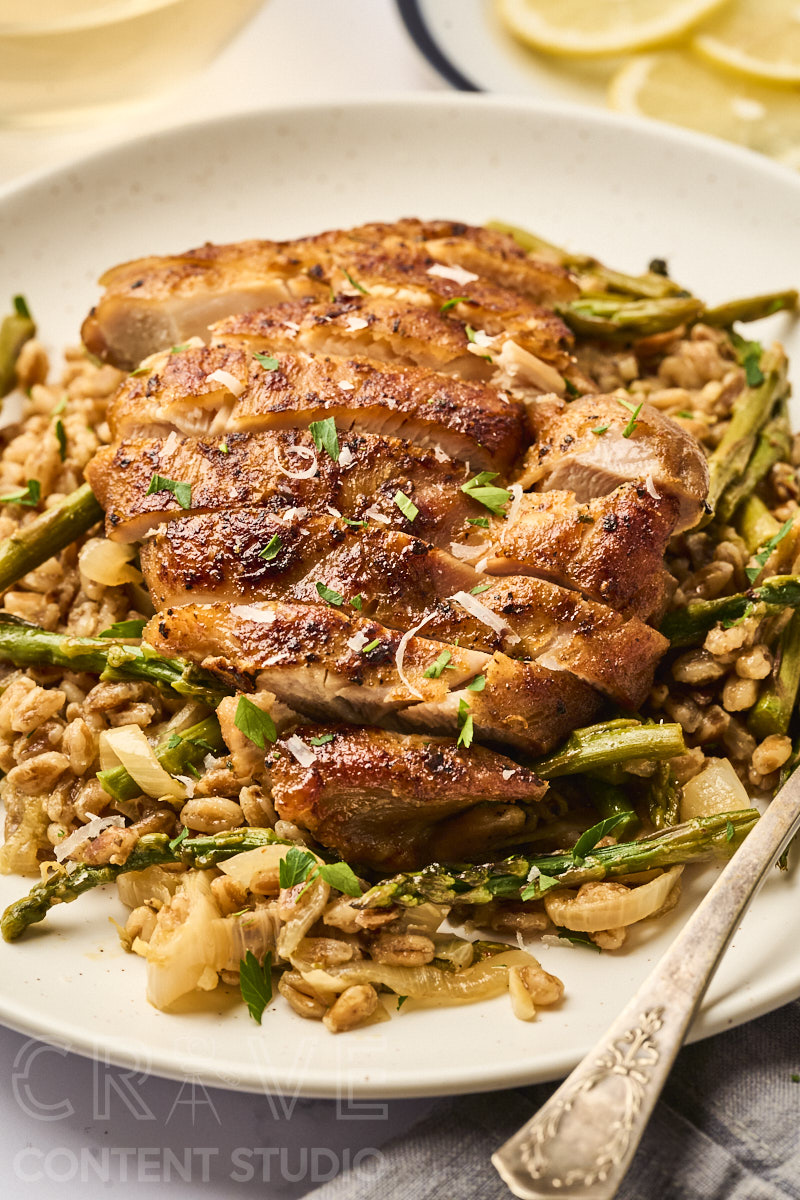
726	1128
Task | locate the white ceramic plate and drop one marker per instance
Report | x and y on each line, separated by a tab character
467	43
728	223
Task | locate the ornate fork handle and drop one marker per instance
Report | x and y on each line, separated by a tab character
580	1143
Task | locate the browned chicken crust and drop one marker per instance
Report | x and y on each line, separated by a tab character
395	802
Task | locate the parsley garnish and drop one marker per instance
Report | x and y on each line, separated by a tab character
255	983
730	832
177	349
585	519
173	741
464	725
223	446
479	488
753	573
749	356
140	371
577	939
321	741
538	886
267	361
176	841
181	491
448	304
325	436
355	524
256	725
570	388
124	629
294	868
301	866
21	307
402	999
482	587
407	506
29	496
590	837
687	416
634	410
272	548
61	438
352	282
478	684
341	877
481	522
436	668
357	602
600	429
371	646
472	336
330	595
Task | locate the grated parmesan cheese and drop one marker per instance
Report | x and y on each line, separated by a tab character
86	832
300	750
456	274
234	385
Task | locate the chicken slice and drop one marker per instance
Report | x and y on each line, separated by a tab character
399	580
395	803
152	303
306	656
202	391
267	469
599	442
611	548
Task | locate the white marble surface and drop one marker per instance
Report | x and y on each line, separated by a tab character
81	1127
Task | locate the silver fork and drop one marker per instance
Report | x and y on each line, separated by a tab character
579	1145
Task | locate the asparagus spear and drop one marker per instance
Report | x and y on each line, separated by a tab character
27	645
178	754
612	742
47	535
756	524
689	625
751	308
15	331
652	284
692	841
750	413
663	797
773	710
611	801
154	849
773	445
609	318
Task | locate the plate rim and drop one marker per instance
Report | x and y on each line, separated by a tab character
459	1080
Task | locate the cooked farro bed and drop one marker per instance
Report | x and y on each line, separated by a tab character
379	738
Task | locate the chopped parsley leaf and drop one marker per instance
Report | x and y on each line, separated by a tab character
448	304
478	684
181	491
753	573
173	741
177	349
255	983
28	496
61	438
570	389
634	410
223	446
256	725
590	837
688	416
600	429
585	519
479	488
402	999
481	522
294	868
330	595
355	524
140	371
325	437
730	832
357	602
749	356
321	741
482	587
267	361
538	886
272	548
124	629
436	668
371	646
464	725
577	939
340	876
407	506
176	841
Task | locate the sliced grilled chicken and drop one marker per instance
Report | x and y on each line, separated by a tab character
153	303
268	468
396	802
611	548
400	580
225	389
305	655
599	442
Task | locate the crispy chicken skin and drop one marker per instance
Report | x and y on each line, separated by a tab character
467	420
247	469
399	579
304	654
156	302
395	802
597	443
610	548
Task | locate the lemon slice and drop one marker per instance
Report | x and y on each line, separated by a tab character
589	27
760	38
677	87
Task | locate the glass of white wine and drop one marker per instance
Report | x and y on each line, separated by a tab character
64	60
